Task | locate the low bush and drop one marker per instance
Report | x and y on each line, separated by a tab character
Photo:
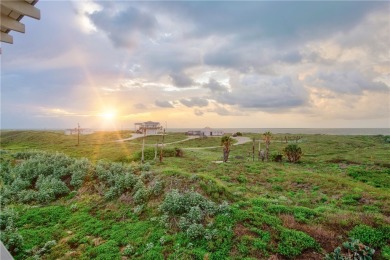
192	210
374	237
352	249
293	153
9	234
276	157
42	177
45	249
293	243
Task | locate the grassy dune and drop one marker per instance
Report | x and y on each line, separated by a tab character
176	210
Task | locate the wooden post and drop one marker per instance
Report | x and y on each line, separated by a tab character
253	149
143	147
162	147
155	150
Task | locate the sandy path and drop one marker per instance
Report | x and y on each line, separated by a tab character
239	139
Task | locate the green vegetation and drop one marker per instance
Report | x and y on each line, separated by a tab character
95	200
293	153
351	250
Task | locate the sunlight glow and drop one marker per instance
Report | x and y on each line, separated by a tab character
109	114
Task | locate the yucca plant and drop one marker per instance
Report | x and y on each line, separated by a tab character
293	153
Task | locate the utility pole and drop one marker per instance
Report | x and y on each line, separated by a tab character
78	134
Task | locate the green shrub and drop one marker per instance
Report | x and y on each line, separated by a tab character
11	239
276	157
293	153
46	248
116	178
279	209
351	199
242	179
157	187
107	250
79	170
374	237
374	177
42	177
9	234
386	252
352	250
141	195
303	214
191	209
195	231
129	250
292	243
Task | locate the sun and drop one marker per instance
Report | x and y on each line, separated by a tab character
109	114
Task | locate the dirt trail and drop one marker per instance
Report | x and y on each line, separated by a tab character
239	139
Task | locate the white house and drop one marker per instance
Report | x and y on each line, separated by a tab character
207	131
149	128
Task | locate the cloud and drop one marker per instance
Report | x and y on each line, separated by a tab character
350	82
124	26
181	80
163	103
194	102
215	86
140	106
264	92
198	112
237	58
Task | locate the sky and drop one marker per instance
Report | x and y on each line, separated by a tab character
191	64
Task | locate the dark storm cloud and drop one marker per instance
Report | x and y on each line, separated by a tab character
163	103
194	102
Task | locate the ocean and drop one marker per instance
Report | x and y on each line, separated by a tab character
327	131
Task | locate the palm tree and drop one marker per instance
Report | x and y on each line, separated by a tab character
267	136
226	142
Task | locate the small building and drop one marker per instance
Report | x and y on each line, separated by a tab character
192	132
74	131
207	131
149	128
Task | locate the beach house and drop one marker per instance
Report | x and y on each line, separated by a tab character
149	128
